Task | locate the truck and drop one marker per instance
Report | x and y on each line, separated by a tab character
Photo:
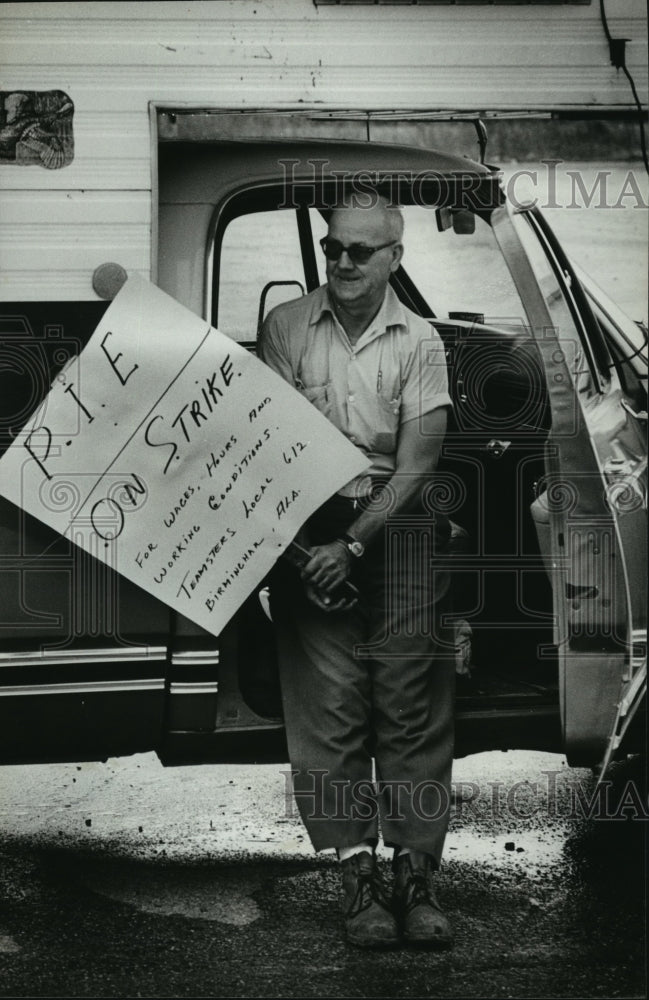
202	146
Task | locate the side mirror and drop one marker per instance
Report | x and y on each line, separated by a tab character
443	219
463	222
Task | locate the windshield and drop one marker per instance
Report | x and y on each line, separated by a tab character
459	272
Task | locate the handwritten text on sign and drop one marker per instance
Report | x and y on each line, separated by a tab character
172	454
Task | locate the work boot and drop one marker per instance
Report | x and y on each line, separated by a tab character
415	905
369	922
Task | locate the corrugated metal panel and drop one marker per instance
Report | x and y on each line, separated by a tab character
84	173
51	241
52	285
112	151
113	59
239	54
434	86
249	10
75	208
144	60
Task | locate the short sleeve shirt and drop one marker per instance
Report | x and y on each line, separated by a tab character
394	373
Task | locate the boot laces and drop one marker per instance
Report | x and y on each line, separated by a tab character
368	890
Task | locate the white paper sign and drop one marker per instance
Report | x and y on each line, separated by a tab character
172	454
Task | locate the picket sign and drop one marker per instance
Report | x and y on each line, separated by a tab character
176	457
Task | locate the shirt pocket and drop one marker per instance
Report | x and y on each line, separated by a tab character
318	395
384	429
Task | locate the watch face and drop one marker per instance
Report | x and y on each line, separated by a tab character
356	548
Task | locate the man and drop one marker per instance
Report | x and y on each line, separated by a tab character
369	678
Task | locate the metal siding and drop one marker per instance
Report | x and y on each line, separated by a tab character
113	59
51	241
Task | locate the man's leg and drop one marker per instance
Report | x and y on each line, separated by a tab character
413	698
413	684
413	687
326	694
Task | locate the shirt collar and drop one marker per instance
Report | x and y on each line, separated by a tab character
390	314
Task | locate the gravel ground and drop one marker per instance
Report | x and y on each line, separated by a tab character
128	879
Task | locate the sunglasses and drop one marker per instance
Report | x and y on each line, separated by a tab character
357	253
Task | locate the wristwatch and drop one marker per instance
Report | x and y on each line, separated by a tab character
352	545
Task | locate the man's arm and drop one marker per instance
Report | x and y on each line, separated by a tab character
420	442
271	349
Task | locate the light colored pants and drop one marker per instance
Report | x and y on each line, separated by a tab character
373	682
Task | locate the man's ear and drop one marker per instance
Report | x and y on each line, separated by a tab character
397	254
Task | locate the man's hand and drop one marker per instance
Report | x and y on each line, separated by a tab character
327	570
327	603
328	567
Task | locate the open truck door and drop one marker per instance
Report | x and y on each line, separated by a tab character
592	504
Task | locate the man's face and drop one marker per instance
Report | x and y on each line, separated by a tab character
361	286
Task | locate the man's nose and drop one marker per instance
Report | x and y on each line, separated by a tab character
345	260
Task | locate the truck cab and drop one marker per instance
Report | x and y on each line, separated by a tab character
542	471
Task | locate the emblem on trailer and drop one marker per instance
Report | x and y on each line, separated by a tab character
36	128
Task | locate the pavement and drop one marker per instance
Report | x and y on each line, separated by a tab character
129	879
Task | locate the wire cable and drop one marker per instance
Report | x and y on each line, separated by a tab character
616	49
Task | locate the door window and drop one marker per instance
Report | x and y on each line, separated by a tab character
260	255
574	342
